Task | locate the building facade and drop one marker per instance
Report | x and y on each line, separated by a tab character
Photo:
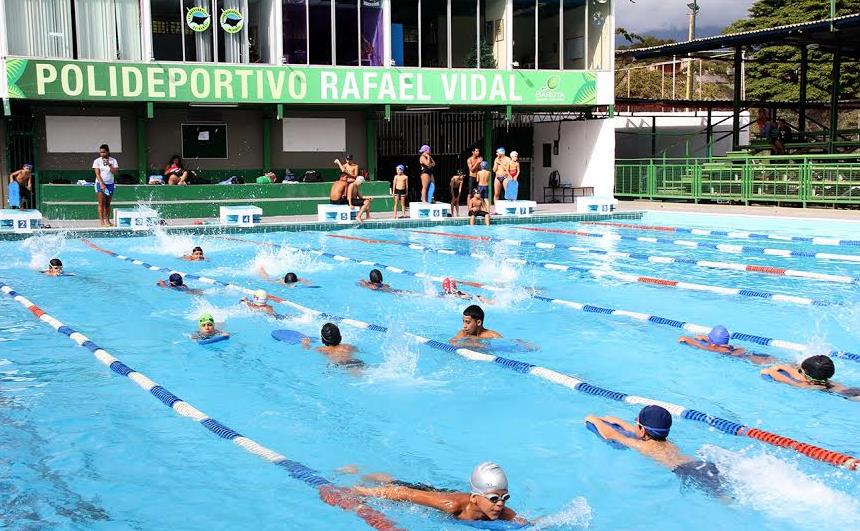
253	85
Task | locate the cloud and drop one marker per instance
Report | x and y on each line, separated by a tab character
661	15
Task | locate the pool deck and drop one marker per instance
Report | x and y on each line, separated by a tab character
739	210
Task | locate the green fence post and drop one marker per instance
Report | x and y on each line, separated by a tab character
142	162
805	180
371	146
652	179
746	183
697	182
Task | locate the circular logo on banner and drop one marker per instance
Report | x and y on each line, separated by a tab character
232	20
198	19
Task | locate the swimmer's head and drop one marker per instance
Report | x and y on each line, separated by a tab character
260	296
205	319
330	335
424	149
818	369
359	180
488	477
28	166
473	320
514	154
460	172
719	335
401	168
449	285
655	421
375	276
349	156
485	165
197	252
56	265
175	279
500	151
290	278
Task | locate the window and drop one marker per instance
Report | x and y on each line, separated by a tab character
464	31
600	35
346	29
204	141
404	32
372	47
295	23
321	32
85	29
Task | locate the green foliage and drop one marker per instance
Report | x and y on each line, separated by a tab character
774	73
488	60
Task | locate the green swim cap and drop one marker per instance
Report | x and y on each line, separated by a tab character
206	318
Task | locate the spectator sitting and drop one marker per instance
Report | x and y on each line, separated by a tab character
268	178
337	195
783	136
354	197
175	172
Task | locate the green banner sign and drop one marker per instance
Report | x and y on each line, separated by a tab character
38	79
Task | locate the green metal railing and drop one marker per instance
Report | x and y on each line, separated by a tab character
821	179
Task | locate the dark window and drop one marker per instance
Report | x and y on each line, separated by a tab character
204	141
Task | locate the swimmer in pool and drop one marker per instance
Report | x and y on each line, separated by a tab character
473	326
259	302
487	499
717	340
206	324
55	268
450	289
649	437
340	354
375	283
195	256
176	283
290	280
814	373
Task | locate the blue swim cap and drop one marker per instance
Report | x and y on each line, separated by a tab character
500	151
656	421
401	167
175	279
719	335
485	165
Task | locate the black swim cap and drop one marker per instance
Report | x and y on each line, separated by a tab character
819	368
291	278
656	421
330	335
375	276
55	262
175	279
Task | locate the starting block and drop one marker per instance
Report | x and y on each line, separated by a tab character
21	221
596	205
520	209
337	213
135	218
241	215
429	210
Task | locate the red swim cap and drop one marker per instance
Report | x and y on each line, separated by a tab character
449	285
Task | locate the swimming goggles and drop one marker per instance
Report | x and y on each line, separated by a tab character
58	269
811	379
494	498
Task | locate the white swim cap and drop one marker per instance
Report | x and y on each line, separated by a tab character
514	154
359	179
488	477
260	295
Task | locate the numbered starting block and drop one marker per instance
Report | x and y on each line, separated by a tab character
135	218
337	213
596	205
14	220
429	210
241	215
520	209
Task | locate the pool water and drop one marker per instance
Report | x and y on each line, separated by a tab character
83	448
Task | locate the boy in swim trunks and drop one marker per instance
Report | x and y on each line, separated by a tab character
176	283
456	190
450	288
207	328
400	190
337	194
474	164
501	169
486	500
338	353
473	326
195	256
484	185
814	373
476	207
55	268
717	340
649	436
354	197
375	283
259	303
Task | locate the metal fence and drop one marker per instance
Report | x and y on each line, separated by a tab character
801	180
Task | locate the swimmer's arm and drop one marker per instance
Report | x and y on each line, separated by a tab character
608	432
263	273
444	502
777	372
161	284
629	426
456	338
490	334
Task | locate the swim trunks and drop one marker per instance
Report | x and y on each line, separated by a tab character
477	213
353	363
419	486
702	475
427	170
400	193
483	191
110	188
341	201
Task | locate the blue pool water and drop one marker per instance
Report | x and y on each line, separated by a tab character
85	448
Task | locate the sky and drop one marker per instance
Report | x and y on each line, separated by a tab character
662	16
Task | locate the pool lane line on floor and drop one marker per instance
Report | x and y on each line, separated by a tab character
735	234
328	491
627	277
341	258
637	316
658	259
732	428
720	247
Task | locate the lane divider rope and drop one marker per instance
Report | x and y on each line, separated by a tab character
739	235
565	380
708	264
719	247
641	317
329	492
627	277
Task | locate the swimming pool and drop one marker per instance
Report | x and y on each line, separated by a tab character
85	449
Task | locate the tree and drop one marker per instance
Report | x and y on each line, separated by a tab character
774	72
488	60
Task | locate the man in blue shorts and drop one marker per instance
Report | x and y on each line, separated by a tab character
105	168
649	436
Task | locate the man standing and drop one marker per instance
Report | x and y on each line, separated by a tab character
24	178
501	167
473	164
105	168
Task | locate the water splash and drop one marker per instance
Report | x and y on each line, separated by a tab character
276	262
782	491
400	363
43	247
576	513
